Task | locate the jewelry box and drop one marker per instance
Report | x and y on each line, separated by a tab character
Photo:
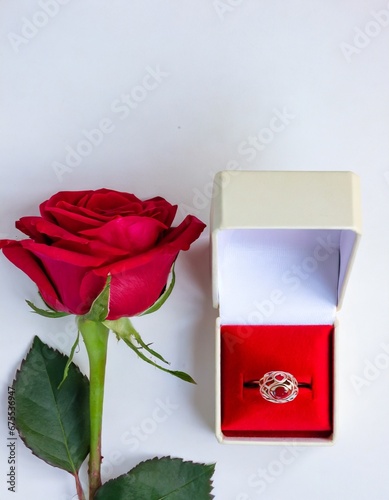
283	243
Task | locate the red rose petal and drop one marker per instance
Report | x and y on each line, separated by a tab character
46	231
72	222
136	283
72	197
113	202
67	270
83	211
28	226
30	265
183	235
133	234
53	235
52	252
134	291
160	209
188	231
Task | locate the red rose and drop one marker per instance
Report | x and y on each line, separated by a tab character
82	237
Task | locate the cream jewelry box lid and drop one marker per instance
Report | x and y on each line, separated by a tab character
278	234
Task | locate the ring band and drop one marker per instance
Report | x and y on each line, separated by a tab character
278	386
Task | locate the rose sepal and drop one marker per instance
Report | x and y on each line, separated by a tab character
52	313
100	306
124	329
163	298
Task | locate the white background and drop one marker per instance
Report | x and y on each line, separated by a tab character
227	68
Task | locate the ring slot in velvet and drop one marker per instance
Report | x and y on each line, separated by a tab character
247	352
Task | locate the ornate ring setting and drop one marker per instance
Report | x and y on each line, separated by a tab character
278	386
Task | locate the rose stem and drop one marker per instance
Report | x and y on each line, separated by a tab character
95	336
80	493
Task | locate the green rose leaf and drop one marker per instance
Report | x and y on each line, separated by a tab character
161	479
53	422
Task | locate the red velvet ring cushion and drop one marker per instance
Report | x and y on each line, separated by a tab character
248	352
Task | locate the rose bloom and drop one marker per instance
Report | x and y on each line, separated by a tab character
82	237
